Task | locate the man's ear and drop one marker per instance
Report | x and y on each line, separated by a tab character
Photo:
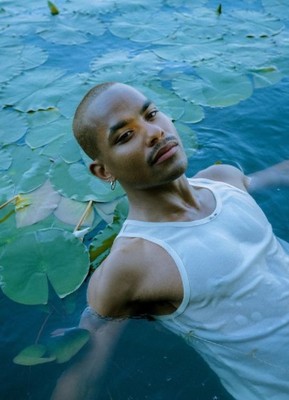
98	169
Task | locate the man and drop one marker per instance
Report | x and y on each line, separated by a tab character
198	255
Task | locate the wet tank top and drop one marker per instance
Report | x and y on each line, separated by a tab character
235	276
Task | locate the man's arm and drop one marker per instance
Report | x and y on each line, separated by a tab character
274	176
82	381
110	297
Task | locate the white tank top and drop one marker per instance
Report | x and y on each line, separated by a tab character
235	276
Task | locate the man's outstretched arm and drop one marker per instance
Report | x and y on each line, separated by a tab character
274	176
82	381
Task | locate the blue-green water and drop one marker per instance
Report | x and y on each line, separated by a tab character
150	363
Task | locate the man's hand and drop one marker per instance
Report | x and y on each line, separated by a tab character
275	176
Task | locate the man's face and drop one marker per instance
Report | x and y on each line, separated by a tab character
138	145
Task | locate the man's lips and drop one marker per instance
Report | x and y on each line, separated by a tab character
163	151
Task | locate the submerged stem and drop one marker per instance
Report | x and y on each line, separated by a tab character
84	215
9	201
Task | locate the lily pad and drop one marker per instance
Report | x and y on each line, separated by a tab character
28	170
42	135
33	355
143	27
12	132
34	90
70	151
215	89
48	255
75	181
5	160
70	212
278	8
64	347
37	205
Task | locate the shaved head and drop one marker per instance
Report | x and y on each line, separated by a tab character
84	131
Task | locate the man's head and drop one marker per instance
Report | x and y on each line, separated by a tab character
128	138
86	132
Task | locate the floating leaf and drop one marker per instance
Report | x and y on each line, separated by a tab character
45	255
189	138
34	90
28	170
33	355
76	182
102	242
64	347
215	89
38	205
70	212
5	160
219	9
70	151
143	27
53	9
42	135
11	132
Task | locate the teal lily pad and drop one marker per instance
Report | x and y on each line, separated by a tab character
143	27
35	90
42	135
33	355
70	151
12	132
215	88
68	344
70	211
5	160
37	205
28	170
278	8
76	182
32	260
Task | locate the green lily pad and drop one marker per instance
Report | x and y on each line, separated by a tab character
5	160
33	355
278	8
70	211
35	90
70	151
143	27
92	8
102	242
42	135
76	182
215	89
28	170
32	260
64	347
37	205
189	138
10	133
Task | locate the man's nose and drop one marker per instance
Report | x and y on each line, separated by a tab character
154	134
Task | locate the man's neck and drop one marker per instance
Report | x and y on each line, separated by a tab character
175	201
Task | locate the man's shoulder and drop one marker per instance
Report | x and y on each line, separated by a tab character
225	173
114	285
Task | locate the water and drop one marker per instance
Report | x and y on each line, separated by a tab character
150	363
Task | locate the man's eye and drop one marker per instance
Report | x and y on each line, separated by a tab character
124	137
152	114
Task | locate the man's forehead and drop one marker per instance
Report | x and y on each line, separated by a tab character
117	99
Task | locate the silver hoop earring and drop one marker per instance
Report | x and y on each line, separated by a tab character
112	184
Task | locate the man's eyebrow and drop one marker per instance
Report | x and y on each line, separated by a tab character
146	105
122	123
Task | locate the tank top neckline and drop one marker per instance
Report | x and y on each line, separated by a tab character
195	182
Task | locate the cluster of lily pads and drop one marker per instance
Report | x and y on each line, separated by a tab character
186	56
